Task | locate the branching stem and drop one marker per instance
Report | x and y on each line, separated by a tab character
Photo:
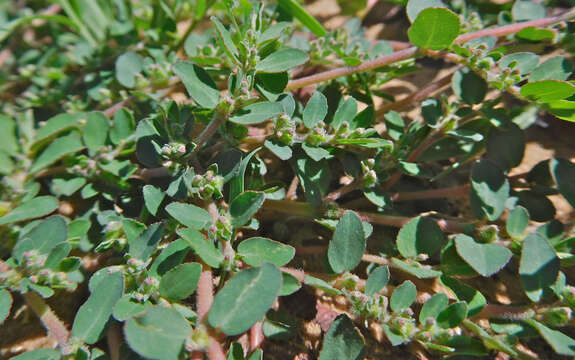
412	51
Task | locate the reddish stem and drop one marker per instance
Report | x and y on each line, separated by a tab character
452	192
333	196
50	320
292	190
515	28
304	209
349	70
399	221
411	51
417	96
505	312
256	336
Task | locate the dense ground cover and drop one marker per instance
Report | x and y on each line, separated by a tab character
276	180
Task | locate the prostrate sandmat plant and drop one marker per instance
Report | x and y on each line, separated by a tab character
195	226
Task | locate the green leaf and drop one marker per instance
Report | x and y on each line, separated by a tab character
181	281
7	164
468	86
539	206
474	299
432	111
31	209
67	187
316	153
39	354
296	10
290	284
10	141
562	109
395	125
523	61
189	215
414	7
433	307
201	246
273	32
434	28
153	198
421	235
245	299
506	146
464	345
279	325
315	177
343	341
5	304
351	8
279	149
237	181
348	243
282	60
364	119
236	352
123	126
377	197
561	343
43	237
257	354
345	112
244	206
538	267
531	33
525	10
158	334
96	131
54	126
226	38
170	257
486	259
547	90
556	68
274	83
125	308
403	296
56	150
377	280
198	83
321	285
315	110
563	172
94	314
128	66
44	291
394	337
517	222
143	246
489	190
453	315
257	250
369	143
257	113
415	269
